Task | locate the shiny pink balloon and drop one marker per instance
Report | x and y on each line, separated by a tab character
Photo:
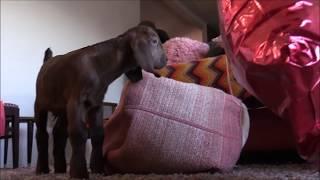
274	50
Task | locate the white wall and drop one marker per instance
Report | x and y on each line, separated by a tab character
29	27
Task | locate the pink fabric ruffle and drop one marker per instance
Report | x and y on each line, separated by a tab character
2	119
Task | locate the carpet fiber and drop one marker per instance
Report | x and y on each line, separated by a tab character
284	171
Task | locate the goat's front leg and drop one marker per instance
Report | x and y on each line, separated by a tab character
95	118
78	135
60	136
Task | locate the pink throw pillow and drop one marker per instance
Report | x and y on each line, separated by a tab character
183	49
165	126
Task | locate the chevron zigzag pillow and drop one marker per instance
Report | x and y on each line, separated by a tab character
211	72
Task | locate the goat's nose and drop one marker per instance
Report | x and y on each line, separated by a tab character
164	58
165	62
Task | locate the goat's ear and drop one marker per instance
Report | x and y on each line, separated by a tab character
142	52
134	75
147	49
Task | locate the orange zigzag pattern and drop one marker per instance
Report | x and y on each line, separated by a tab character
210	72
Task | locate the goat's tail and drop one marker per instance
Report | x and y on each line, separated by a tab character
47	55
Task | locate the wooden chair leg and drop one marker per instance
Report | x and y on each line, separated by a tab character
12	131
30	140
15	141
5	151
6	143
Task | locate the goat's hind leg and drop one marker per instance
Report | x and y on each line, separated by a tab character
60	136
78	135
41	118
96	133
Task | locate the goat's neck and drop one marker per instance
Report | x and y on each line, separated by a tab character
114	59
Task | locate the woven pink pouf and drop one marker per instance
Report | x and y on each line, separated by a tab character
165	126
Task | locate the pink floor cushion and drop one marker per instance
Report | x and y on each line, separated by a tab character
165	126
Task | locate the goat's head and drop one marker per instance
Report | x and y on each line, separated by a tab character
146	48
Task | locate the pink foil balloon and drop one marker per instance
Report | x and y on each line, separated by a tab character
274	50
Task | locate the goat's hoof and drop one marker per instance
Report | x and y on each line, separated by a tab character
108	171
79	174
42	170
97	168
60	168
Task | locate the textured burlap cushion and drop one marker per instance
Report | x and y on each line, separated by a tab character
165	126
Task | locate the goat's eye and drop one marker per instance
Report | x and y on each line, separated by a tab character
154	41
